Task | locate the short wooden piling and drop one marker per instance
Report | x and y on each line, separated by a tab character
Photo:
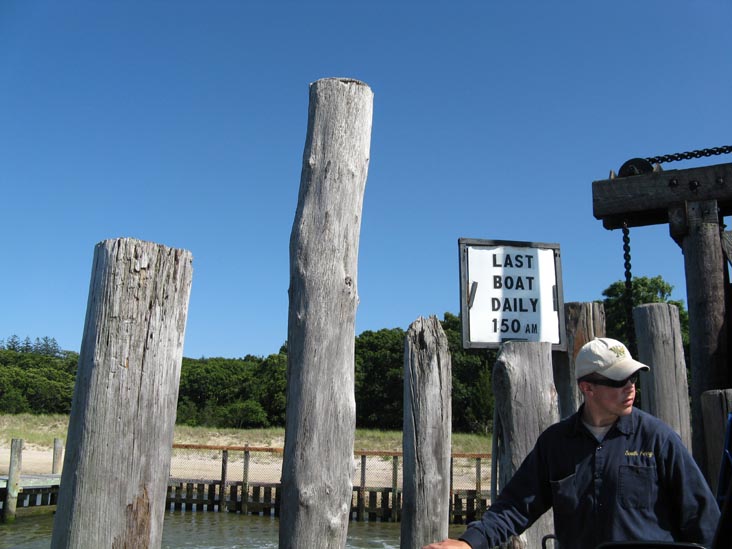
123	411
427	434
664	390
526	404
13	487
716	406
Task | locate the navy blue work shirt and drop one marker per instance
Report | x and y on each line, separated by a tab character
639	484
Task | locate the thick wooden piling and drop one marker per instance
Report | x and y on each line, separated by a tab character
716	407
696	224
526	404
320	426
664	390
120	433
427	434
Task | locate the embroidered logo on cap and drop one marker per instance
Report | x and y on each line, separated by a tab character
618	350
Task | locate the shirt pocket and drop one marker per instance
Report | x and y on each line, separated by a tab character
564	494
637	486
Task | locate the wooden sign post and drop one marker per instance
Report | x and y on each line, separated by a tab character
692	202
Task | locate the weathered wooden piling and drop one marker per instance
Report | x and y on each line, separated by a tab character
13	486
716	407
704	266
584	321
427	434
525	405
120	433
320	426
664	390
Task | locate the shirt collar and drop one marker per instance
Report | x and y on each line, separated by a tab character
624	424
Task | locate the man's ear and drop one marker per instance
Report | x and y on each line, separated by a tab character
585	386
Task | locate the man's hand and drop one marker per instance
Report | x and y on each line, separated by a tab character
448	544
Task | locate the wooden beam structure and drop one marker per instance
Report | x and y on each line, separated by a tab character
646	199
693	202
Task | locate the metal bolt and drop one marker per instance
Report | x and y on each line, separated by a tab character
720	181
694	185
673	183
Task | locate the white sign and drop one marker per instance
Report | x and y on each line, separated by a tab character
510	291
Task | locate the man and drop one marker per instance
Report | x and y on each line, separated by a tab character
610	472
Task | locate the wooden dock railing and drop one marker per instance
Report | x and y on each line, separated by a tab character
250	477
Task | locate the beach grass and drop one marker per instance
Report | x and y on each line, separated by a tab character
40	430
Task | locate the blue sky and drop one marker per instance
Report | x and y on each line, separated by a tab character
183	123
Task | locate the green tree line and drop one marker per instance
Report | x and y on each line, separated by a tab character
37	377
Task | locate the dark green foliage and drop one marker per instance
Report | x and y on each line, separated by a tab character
644	290
380	379
472	394
221	392
38	383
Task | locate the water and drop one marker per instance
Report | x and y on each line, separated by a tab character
210	531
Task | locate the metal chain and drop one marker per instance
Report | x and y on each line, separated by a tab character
690	154
628	294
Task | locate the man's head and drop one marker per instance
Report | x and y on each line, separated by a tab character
608	358
606	375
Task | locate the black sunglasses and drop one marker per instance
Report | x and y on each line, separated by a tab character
611	382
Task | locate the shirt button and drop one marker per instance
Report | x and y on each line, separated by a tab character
599	448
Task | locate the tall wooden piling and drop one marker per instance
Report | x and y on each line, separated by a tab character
427	434
13	487
320	426
664	390
525	405
120	433
697	225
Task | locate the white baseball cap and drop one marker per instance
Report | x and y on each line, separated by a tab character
607	357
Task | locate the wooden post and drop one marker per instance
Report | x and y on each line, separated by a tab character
664	390
525	404
716	406
58	456
427	434
395	489
245	483
224	466
478	487
584	321
698	227
361	504
317	466
123	412
13	486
